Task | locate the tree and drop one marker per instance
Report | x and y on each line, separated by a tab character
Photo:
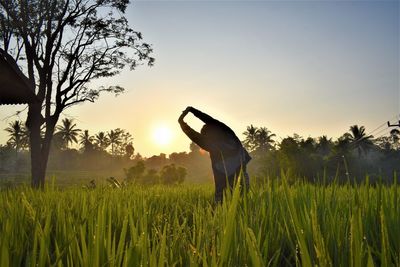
68	132
114	137
395	138
65	45
18	136
6	155
384	143
86	141
194	148
250	141
170	174
342	145
125	147
129	151
360	140
135	173
258	139
101	140
308	145
264	141
289	151
324	145
151	177
390	142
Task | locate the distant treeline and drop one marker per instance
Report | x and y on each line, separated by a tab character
75	150
350	157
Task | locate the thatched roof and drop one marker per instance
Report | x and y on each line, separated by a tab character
14	85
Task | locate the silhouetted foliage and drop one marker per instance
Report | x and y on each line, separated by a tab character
168	175
351	156
313	159
151	177
18	136
258	139
360	140
135	173
86	141
194	147
68	132
171	174
63	46
114	137
101	140
129	150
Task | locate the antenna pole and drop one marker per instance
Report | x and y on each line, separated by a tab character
393	125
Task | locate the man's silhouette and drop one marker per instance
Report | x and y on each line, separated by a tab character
228	157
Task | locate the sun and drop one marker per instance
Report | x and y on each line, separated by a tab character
162	135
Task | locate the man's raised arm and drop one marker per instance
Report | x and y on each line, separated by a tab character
192	134
201	115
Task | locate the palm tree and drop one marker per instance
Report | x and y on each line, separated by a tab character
251	137
115	139
101	141
342	145
264	139
324	145
68	132
18	135
360	140
86	141
258	138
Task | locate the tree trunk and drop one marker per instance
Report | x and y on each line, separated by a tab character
40	147
33	123
38	169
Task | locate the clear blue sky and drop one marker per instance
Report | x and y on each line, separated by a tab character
310	67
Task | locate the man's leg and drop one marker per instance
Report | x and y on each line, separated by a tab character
220	185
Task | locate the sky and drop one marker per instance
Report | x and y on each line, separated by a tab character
307	67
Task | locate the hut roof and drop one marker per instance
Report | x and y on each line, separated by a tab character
14	85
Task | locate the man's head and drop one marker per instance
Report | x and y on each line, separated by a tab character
210	132
205	130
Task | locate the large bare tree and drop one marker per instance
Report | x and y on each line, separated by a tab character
62	46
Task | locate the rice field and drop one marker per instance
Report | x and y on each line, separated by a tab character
273	224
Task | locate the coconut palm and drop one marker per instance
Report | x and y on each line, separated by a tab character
264	139
68	132
258	138
360	140
342	145
251	137
115	139
324	145
18	135
86	140
101	140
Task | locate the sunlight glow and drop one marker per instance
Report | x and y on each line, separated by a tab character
162	135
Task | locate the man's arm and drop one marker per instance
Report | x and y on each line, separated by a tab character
192	134
202	116
207	119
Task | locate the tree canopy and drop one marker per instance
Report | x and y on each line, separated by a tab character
63	46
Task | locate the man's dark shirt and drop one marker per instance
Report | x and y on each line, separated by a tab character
227	154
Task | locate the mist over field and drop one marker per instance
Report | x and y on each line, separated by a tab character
86	157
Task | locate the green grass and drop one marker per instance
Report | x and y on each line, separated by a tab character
274	224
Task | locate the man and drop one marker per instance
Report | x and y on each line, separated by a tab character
228	157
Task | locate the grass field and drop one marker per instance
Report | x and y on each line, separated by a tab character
274	224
